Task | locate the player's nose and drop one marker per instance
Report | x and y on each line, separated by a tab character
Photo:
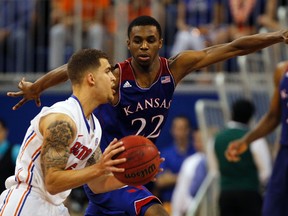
144	45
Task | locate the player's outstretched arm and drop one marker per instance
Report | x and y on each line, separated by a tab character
191	60
32	91
266	125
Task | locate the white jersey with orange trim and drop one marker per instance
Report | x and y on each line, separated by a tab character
28	172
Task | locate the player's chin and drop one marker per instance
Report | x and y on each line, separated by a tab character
144	62
111	98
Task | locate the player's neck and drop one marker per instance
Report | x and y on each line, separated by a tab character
146	76
182	145
86	103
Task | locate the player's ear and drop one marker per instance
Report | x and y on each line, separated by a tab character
128	43
90	78
160	43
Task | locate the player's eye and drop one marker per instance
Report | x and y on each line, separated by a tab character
108	70
137	41
151	40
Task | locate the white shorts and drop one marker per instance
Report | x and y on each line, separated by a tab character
21	202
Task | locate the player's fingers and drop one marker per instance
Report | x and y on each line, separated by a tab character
117	146
113	141
114	144
116	169
155	177
108	155
231	155
228	155
38	102
116	161
20	84
19	104
15	94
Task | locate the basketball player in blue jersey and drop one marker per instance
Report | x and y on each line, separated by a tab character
144	89
276	194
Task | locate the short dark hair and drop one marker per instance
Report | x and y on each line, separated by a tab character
242	110
183	116
193	126
83	60
144	21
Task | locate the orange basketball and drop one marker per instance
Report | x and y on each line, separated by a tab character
142	161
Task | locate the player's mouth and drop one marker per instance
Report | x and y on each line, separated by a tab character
144	57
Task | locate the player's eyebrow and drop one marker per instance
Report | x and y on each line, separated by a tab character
112	68
109	68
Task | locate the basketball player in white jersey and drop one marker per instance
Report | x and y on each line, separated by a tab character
59	149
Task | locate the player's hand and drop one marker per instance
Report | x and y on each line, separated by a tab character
27	91
161	161
234	149
112	149
160	170
285	36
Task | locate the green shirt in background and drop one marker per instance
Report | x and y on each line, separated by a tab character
240	175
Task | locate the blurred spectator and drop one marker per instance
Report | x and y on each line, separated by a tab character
269	19
139	8
40	35
240	182
169	26
242	16
180	148
94	17
8	155
15	40
192	173
199	24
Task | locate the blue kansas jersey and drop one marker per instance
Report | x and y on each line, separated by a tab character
141	111
284	108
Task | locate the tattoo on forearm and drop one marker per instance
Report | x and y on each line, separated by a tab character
98	154
55	151
91	160
95	157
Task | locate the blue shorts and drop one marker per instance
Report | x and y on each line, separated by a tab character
128	201
276	196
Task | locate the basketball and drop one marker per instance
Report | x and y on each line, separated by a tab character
142	161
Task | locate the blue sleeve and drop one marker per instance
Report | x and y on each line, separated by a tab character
200	174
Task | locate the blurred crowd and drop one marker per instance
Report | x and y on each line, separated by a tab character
40	35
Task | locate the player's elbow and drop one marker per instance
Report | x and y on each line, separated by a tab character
52	191
52	186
